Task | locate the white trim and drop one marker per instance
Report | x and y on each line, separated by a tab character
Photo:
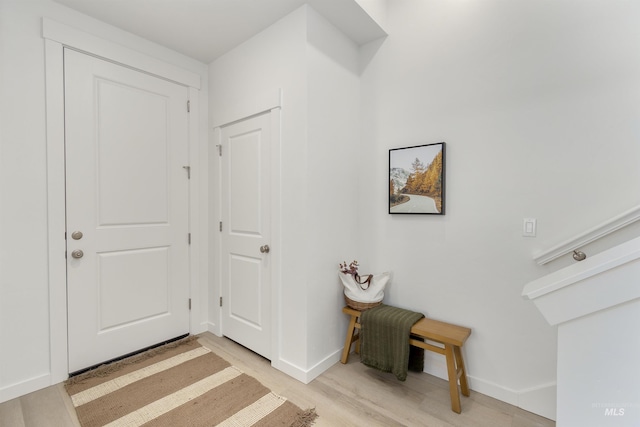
583	288
307	375
216	328
24	387
236	110
270	102
290	369
591	235
96	46
56	226
200	133
276	233
212	327
57	36
198	244
540	399
607	260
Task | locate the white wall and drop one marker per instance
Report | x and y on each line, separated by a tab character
596	306
314	65
376	9
270	61
598	368
24	287
333	175
537	102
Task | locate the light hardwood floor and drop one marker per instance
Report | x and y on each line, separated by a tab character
345	395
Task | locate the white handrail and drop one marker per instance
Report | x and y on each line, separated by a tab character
595	233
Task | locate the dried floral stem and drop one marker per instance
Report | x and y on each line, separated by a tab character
351	269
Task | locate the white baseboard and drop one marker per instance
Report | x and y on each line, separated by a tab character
323	365
25	387
308	375
213	328
200	328
540	400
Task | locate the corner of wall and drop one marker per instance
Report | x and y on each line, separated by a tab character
307	375
376	9
540	400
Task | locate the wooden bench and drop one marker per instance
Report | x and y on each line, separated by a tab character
452	337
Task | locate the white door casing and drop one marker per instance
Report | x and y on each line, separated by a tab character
127	192
246	232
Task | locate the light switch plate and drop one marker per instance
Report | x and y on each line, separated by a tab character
529	227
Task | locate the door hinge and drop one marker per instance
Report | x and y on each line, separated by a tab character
219	149
220	225
188	169
188	106
220	301
189	303
189	238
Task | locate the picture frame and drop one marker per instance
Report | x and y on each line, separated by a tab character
417	179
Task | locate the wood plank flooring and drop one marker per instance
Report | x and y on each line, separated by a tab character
345	395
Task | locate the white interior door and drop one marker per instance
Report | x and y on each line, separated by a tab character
246	271
127	194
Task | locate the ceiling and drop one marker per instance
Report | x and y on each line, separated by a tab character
206	29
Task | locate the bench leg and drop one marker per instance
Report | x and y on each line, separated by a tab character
464	386
453	378
347	342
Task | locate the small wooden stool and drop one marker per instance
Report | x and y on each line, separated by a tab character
452	337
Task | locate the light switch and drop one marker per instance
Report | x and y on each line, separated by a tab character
529	227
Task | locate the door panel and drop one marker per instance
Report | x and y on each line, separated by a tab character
125	195
145	284
245	279
246	283
127	192
245	190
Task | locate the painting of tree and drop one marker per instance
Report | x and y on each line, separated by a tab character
416	179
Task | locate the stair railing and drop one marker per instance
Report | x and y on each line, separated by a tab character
591	235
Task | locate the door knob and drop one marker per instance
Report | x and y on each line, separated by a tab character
76	235
77	254
265	249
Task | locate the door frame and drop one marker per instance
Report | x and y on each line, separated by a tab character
241	109
57	37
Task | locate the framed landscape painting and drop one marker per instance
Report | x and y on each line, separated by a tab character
416	179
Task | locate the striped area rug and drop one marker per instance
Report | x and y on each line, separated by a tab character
181	384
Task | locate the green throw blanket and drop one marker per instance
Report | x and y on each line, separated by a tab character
384	345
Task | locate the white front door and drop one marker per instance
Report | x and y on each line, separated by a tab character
127	209
245	264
